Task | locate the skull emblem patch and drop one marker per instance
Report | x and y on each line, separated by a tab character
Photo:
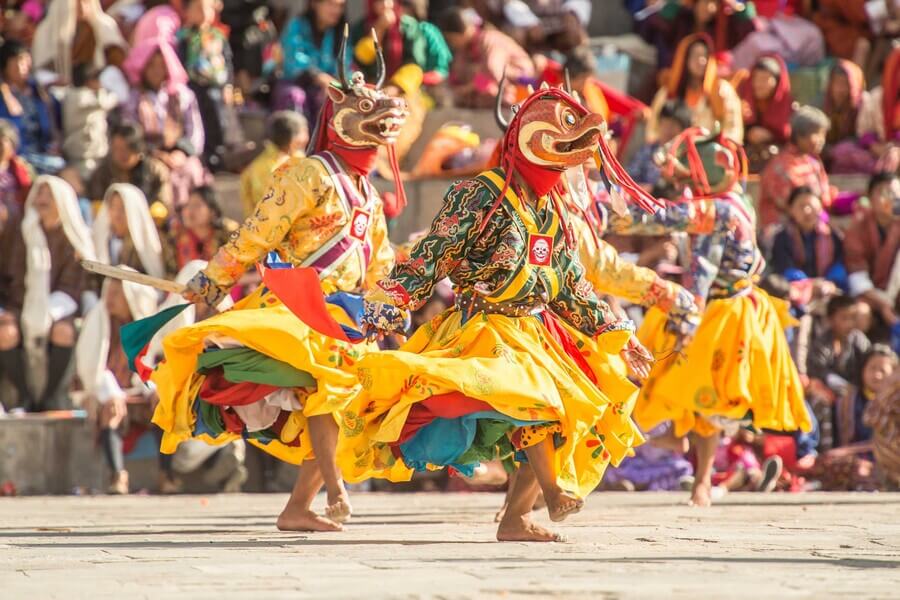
539	250
359	224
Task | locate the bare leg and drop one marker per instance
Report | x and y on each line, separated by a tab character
323	432
516	524
560	504
509	490
706	454
297	515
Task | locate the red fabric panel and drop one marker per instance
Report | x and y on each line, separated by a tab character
221	392
446	406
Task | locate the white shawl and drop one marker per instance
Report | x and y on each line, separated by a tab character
141	228
92	348
36	319
53	38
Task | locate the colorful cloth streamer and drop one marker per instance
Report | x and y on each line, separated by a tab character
241	365
136	337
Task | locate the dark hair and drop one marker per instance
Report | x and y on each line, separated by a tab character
318	36
284	126
807	120
208	194
452	20
581	62
776	286
879	179
838	303
801	190
132	133
682	85
676	110
10	50
84	73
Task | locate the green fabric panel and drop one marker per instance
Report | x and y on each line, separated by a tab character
245	364
491	442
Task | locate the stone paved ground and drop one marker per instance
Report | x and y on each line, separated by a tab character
440	546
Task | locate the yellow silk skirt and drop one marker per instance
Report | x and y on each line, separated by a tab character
513	365
261	322
739	361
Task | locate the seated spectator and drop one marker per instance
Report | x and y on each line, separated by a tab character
198	232
124	232
480	57
693	80
167	110
84	118
878	125
781	29
76	32
767	106
847	30
796	166
872	245
845	94
288	136
104	372
404	39
204	50
45	294
309	43
128	162
15	173
882	415
834	362
657	466
27	106
542	26
726	21
849	464
807	243
251	33
674	117
161	21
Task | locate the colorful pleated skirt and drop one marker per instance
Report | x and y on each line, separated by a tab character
460	392
737	367
255	372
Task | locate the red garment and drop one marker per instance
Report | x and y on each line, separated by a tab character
392	44
786	171
221	392
774	113
890	84
559	333
843	118
231	421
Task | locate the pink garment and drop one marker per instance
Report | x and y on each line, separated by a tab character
142	52
731	455
160	22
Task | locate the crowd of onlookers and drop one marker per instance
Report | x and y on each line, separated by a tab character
116	118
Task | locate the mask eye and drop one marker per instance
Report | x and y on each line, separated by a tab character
569	119
366	105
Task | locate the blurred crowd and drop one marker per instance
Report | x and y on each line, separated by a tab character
118	118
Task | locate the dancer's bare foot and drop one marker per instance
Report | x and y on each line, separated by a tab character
299	519
701	495
524	530
561	505
501	514
339	510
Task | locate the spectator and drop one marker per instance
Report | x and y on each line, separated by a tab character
877	125
480	57
76	32
807	243
310	44
27	106
206	55
161	21
84	117
167	110
693	80
104	372
674	117
834	362
845	94
124	232
726	22
288	136
882	415
767	106
542	25
15	173
781	29
251	32
799	164
128	162
198	232
46	285
658	465
405	40
872	247
845	25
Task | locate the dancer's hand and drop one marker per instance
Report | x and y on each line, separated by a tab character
382	318
201	289
638	358
683	318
